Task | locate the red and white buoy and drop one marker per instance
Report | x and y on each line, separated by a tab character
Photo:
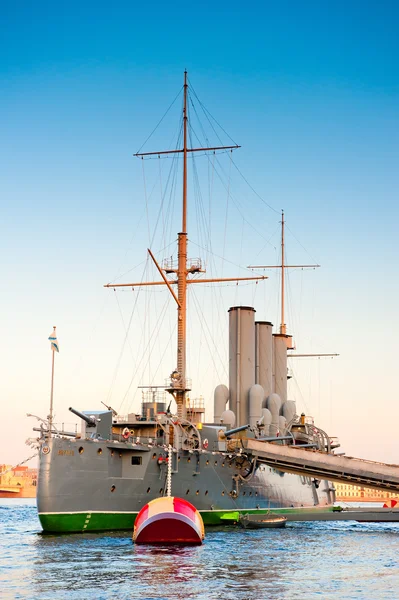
169	520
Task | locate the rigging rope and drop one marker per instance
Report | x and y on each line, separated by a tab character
19	464
162	204
206	113
203	322
237	204
146	203
165	350
255	192
308	253
136	368
229	176
227	209
210	206
122	350
159	122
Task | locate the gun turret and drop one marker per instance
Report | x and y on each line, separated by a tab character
89	421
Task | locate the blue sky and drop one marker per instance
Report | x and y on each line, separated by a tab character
310	90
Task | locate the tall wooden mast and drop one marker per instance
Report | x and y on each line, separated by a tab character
182	273
178	379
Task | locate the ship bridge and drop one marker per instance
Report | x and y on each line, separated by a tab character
323	465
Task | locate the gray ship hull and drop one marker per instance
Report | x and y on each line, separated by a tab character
94	485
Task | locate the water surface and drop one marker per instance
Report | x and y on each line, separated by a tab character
341	560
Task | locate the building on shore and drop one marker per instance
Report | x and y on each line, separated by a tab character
354	493
17	482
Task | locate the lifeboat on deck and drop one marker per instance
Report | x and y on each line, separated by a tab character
169	520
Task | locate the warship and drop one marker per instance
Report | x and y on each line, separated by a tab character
101	477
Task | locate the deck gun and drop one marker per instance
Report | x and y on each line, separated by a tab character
96	424
90	421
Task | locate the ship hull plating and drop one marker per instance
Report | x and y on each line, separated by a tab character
91	485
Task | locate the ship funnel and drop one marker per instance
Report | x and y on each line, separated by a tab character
280	344
264	355
241	359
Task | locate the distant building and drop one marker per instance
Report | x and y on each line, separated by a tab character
353	493
17	482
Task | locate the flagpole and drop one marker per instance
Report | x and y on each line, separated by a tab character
50	417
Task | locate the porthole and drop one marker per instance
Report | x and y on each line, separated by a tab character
100	451
81	450
112	488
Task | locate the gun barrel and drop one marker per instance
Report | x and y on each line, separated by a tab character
236	430
90	422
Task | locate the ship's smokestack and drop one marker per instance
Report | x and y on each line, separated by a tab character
241	360
280	365
264	356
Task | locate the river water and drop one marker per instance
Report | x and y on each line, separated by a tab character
324	560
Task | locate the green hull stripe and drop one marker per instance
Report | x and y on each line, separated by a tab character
108	521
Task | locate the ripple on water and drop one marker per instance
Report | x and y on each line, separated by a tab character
343	560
